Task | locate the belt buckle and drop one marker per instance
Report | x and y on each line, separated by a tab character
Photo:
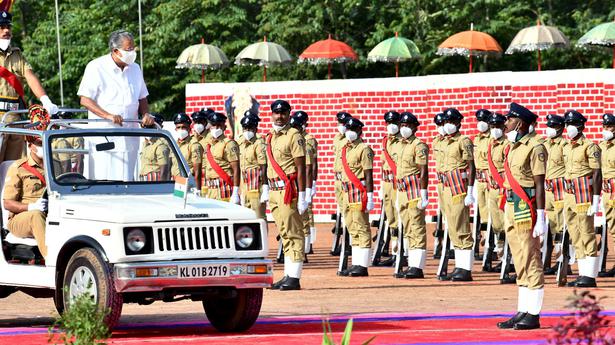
12	106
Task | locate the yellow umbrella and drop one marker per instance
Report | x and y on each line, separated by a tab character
202	56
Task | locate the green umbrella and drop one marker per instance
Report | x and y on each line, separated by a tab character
394	49
601	35
202	56
263	54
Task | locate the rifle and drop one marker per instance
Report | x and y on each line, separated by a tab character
280	254
438	235
506	263
547	248
345	252
442	271
382	238
604	248
337	233
476	229
399	259
489	246
563	265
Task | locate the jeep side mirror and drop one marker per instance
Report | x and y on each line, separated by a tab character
105	146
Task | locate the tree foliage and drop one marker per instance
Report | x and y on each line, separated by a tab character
171	26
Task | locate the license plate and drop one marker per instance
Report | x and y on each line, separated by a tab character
203	271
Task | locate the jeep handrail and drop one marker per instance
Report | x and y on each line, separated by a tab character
25	111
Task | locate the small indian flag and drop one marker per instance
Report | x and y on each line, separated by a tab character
181	187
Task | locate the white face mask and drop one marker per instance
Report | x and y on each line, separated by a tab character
4	43
572	132
441	130
277	128
496	133
482	126
406	132
128	57
199	128
392	129
216	132
182	133
607	135
248	135
512	136
450	128
551	132
39	151
351	135
531	129
341	129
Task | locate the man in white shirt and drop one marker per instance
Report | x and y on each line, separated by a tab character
113	88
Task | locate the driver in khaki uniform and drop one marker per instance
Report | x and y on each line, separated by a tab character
25	186
155	162
253	161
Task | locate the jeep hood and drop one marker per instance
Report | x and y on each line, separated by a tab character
149	208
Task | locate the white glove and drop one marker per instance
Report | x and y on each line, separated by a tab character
370	202
594	207
49	105
313	188
422	204
265	194
38	205
301	204
469	200
308	195
541	227
235	196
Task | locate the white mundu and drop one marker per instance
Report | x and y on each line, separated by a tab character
118	92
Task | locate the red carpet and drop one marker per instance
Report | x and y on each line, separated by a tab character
387	329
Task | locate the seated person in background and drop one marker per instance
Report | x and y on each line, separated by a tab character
25	185
155	162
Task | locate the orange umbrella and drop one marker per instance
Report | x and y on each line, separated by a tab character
469	43
328	51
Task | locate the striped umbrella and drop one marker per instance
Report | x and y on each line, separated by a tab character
263	54
202	56
537	38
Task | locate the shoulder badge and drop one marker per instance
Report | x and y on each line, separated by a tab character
541	156
301	142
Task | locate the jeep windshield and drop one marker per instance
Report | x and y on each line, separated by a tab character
82	160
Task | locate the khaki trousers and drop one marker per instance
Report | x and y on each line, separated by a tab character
556	216
357	223
13	146
497	215
290	225
482	195
610	219
252	200
525	250
389	198
580	228
308	220
30	224
458	221
413	221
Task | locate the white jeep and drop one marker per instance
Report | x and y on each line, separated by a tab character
125	240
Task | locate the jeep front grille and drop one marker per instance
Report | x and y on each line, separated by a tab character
192	238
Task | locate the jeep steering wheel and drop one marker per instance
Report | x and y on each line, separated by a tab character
70	177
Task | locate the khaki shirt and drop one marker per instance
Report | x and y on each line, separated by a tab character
360	157
76	143
481	145
526	159
608	159
338	141
252	153
556	166
192	152
581	157
457	151
437	147
60	143
15	62
497	153
286	145
537	137
392	148
411	153
311	147
21	185
224	152
154	155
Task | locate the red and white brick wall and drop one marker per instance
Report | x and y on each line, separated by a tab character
590	91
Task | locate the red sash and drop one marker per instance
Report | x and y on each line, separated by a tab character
495	175
221	173
354	179
388	158
517	189
290	192
34	172
12	79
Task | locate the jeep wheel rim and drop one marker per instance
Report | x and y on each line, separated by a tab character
83	282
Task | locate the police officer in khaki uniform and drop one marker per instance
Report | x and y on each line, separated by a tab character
339	140
582	199
495	177
25	185
555	183
412	176
458	175
191	150
200	127
155	164
253	162
15	66
437	147
524	171
388	191
221	155
312	148
481	143
357	160
286	178
607	147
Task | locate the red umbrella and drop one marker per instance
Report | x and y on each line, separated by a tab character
328	51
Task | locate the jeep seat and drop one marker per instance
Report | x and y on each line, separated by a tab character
10	238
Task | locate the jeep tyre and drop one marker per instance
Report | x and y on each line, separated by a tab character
87	267
234	314
6	291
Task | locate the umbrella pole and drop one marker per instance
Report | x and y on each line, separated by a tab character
470	63
539	62
264	73
329	71
396	69
202	75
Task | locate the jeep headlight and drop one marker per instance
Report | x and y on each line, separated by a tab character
135	240
244	236
138	240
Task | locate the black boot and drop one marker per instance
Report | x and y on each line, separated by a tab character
573	283
497	268
276	285
529	321
462	276
354	271
585	282
449	276
290	284
510	323
413	273
509	279
387	263
551	271
609	273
